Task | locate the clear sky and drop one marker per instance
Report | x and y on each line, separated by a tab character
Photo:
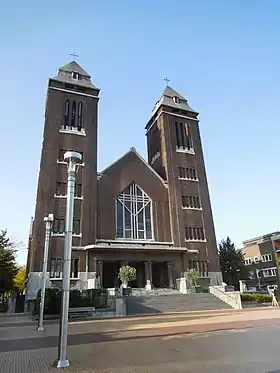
222	55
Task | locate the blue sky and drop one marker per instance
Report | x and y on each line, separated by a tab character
222	55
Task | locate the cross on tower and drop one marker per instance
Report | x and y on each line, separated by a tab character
74	55
166	80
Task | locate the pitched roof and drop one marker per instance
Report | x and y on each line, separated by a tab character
65	75
172	98
132	150
74	66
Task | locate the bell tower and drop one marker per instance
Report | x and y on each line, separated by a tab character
175	152
71	118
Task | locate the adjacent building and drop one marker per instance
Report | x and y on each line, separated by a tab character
154	215
261	258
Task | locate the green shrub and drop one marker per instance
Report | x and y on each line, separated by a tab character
52	301
258	298
97	298
263	298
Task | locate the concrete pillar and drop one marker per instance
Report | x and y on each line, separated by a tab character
148	275
100	274
120	307
170	275
242	286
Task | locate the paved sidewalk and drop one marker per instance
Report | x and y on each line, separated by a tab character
108	343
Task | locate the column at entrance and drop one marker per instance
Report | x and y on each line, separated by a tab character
170	270
92	274
148	275
100	273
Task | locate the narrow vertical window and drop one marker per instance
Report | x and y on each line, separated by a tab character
80	116
194	174
74	268
76	226
191	199
183	135
188	136
178	137
180	172
66	113
73	119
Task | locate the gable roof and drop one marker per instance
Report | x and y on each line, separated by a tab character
133	150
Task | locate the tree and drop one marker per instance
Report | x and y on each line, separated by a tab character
8	267
232	263
127	274
19	280
193	275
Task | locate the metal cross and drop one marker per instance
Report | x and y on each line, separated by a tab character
74	55
166	80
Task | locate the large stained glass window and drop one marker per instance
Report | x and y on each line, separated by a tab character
133	214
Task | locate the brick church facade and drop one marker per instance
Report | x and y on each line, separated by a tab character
154	215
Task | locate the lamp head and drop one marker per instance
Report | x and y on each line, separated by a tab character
73	156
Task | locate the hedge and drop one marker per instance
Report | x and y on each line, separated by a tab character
258	298
97	298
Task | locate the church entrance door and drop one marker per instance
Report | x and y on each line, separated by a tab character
160	275
140	275
110	274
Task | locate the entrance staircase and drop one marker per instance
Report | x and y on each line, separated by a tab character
158	301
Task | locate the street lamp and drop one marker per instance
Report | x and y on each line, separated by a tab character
48	221
73	159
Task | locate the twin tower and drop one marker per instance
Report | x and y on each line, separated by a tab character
154	215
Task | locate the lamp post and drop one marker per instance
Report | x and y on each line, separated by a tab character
48	221
73	159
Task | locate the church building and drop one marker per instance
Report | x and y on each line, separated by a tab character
154	215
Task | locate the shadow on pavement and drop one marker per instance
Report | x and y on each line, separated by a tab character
97	337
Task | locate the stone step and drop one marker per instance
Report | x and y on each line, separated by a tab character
150	304
145	292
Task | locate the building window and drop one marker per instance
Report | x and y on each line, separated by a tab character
66	113
267	258
58	226
176	100
256	259
78	190
269	272
56	268
200	266
191	202
76	226
252	275
60	189
61	155
194	233
80	116
248	261
183	136
187	173
75	75
73	117
73	121
133	214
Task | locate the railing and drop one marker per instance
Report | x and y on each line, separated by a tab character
232	298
